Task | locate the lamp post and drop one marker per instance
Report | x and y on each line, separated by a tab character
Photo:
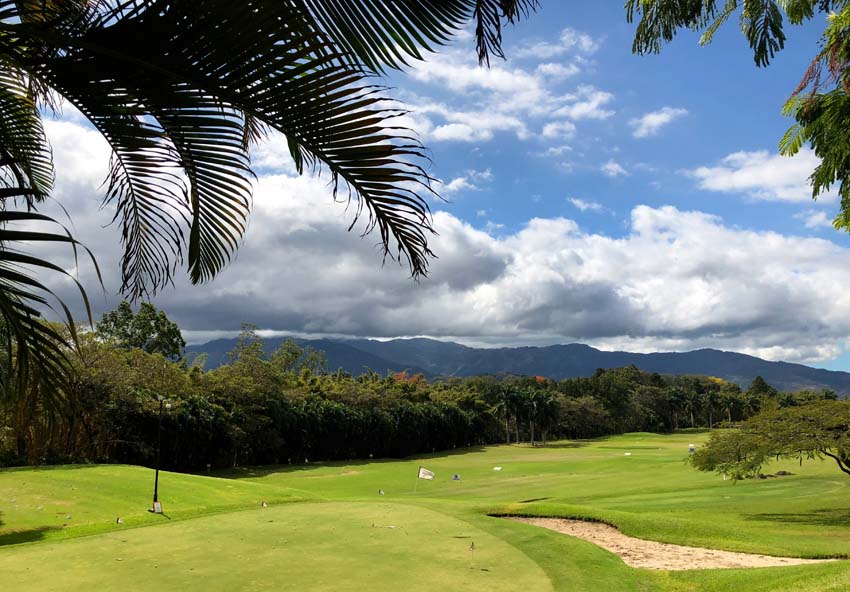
157	507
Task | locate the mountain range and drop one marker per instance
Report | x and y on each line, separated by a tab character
441	358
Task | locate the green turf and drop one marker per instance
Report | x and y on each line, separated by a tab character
67	501
219	538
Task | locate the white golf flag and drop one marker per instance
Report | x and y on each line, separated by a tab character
426	474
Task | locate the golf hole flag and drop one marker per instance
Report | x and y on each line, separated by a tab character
426	474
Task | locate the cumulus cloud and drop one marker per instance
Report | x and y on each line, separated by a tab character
557	71
815	219
586	205
613	169
651	123
762	175
471	180
587	102
474	103
559	130
675	280
569	41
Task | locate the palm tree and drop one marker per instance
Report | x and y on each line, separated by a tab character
711	399
692	402
180	89
503	408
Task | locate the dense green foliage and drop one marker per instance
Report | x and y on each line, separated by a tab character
819	429
148	329
286	407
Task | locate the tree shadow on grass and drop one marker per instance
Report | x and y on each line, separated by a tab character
32	468
25	536
839	517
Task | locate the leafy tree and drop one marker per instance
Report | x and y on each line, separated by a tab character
730	399
820	104
816	430
181	89
148	329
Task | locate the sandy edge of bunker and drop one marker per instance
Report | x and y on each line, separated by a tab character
655	555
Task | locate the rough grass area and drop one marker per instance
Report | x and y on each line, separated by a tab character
219	537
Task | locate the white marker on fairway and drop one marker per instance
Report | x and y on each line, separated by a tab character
497	468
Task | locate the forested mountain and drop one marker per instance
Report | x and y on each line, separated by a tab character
438	358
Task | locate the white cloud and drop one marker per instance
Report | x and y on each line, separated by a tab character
569	41
557	71
586	103
762	175
815	219
477	103
651	123
613	169
554	151
586	205
674	280
464	126
471	180
559	130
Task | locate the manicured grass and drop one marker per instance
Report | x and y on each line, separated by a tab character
327	547
68	501
329	543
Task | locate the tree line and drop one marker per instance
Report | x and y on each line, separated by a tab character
287	406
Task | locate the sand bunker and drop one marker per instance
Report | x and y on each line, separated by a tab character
655	555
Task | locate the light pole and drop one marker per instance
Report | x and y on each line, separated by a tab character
157	507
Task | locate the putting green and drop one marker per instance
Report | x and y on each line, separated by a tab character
333	546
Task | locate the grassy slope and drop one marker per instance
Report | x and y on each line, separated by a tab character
35	504
649	493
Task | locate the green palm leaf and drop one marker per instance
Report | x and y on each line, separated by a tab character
180	89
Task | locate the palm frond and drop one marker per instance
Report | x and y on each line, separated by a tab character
489	16
387	33
39	350
180	89
22	143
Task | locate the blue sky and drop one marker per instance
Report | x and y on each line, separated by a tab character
731	106
594	196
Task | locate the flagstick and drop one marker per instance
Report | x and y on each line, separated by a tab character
415	485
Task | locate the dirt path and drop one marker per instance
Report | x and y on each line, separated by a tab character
654	555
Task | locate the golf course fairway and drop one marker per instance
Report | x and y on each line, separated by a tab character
371	525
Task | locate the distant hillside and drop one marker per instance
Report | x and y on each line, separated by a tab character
440	358
339	354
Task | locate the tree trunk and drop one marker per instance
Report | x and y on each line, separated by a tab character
507	430
531	429
692	418
21	442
